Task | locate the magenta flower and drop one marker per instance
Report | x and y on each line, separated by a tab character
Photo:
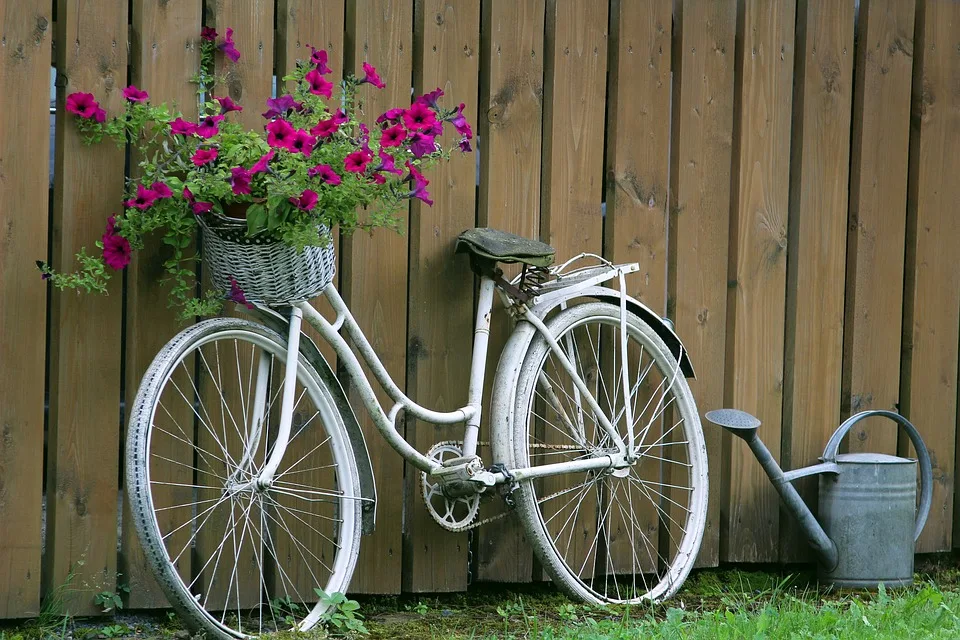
280	133
306	201
460	123
116	251
325	128
203	156
240	180
162	190
465	146
392	116
326	174
182	127
262	165
132	94
209	126
436	129
340	116
228	48
419	117
236	294
303	142
144	199
227	105
187	194
372	76
319	86
414	174
421	144
208	33
357	161
201	207
83	105
420	191
387	164
279	106
99	114
393	136
319	59
431	98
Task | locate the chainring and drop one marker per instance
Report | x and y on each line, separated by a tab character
453	514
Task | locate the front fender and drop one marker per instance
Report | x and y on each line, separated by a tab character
309	350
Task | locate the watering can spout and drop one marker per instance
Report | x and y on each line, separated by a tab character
743	425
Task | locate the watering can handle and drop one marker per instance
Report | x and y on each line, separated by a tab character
926	470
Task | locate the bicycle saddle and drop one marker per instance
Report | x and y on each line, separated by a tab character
501	246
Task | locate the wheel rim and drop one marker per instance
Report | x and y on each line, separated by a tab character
627	534
248	559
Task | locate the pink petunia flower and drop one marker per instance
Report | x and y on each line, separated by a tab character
240	180
319	59
303	142
82	104
340	116
280	106
421	144
319	86
387	164
203	156
357	161
372	76
431	98
465	146
237	295
201	207
228	48
420	191
419	117
414	174
262	165
132	94
325	128
379	178
162	190
208	33
306	201
99	115
116	251
187	194
393	136
326	173
182	127
227	105
280	133
143	200
391	116
460	123
209	126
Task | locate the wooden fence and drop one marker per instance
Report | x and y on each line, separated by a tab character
786	173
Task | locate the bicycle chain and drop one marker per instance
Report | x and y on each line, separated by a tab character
499	516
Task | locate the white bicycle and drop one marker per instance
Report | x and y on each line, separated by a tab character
250	483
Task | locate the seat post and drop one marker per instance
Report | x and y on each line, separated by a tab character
481	337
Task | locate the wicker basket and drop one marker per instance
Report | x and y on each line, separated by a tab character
267	270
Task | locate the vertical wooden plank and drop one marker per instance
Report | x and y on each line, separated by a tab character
875	237
374	278
575	66
510	135
816	244
165	54
757	268
635	229
305	22
439	345
931	317
25	73
83	445
700	214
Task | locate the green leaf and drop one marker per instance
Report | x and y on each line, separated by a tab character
256	219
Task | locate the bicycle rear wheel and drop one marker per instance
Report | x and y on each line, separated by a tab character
610	535
235	558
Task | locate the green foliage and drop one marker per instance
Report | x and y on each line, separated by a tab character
115	630
108	601
342	615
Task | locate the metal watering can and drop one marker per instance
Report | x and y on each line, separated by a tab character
869	520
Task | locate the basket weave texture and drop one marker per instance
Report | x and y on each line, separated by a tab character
267	270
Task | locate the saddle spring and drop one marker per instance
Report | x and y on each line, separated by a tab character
532	279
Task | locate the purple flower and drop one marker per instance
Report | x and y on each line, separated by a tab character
372	76
201	207
325	128
209	126
99	115
303	142
144	199
132	94
419	117
431	98
326	174
236	294
182	127
83	105
240	181
279	106
340	116
162	190
319	59
116	252
436	129
319	86
227	105
465	146
203	156
357	161
393	136
208	33
306	201
387	164
280	133
460	123
262	165
421	144
228	48
391	116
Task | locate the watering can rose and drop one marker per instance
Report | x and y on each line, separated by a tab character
311	166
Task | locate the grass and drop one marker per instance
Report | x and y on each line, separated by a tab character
715	604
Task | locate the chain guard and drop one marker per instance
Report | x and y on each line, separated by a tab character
453	514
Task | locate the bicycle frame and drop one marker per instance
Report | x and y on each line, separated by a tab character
469	414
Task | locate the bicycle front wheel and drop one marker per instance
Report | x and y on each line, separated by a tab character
233	557
610	535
